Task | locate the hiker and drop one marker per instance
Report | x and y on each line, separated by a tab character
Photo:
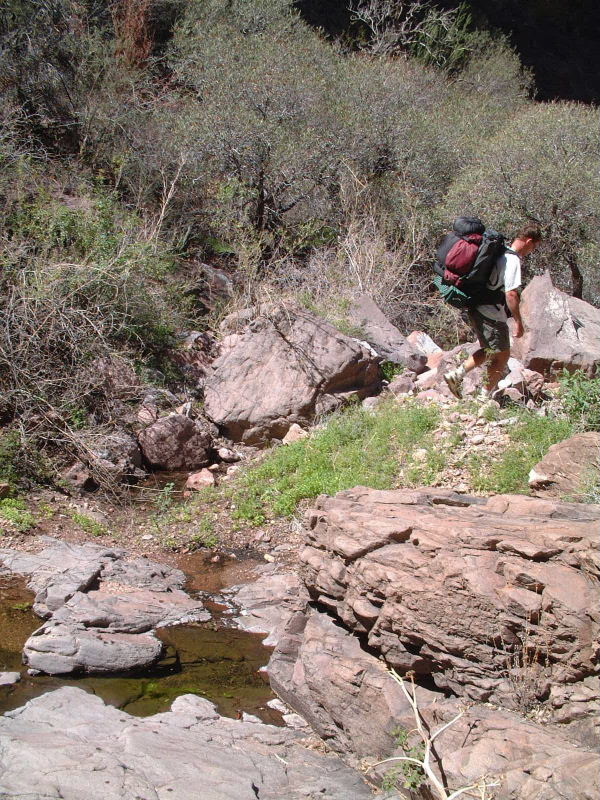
489	321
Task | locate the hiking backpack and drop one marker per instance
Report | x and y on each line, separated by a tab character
464	262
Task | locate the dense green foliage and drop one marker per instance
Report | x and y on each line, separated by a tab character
141	137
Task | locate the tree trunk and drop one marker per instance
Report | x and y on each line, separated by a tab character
576	278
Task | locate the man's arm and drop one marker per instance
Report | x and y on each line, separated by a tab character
513	302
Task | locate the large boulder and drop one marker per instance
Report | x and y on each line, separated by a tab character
491	600
176	442
287	366
569	468
560	331
352	702
68	744
384	337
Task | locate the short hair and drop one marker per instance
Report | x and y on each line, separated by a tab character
530	230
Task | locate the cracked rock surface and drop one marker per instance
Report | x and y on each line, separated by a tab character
472	597
69	745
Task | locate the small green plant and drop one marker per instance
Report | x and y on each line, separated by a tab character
580	397
206	535
354	448
390	370
25	606
412	773
14	510
531	436
165	498
420	758
88	524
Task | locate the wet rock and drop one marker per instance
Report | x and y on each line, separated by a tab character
101	609
9	678
61	649
268	602
286	367
67	744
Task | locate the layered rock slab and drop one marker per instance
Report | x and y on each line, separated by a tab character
67	744
492	600
352	702
287	366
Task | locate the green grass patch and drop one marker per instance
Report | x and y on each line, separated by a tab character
356	447
88	524
530	436
580	399
14	510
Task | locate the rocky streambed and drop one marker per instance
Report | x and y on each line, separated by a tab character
487	606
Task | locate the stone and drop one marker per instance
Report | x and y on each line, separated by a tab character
403	384
227	455
101	609
353	703
194	356
295	433
569	468
560	331
451	587
383	336
9	678
423	342
68	744
268	601
176	442
200	480
287	366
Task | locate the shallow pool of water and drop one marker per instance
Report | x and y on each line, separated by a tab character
213	660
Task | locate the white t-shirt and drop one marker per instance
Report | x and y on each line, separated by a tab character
506	275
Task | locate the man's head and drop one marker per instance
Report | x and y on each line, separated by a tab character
527	239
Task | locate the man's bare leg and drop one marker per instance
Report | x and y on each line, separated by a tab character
495	371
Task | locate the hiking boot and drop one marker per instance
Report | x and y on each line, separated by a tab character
454	383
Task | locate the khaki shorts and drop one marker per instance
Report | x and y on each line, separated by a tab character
492	334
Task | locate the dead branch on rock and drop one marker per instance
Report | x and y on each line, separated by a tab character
428	738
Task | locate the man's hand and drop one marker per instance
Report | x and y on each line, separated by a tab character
512	301
518	330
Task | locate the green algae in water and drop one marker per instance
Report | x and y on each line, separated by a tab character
17	622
